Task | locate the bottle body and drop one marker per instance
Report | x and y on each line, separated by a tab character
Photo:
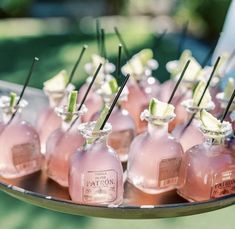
20	150
96	175
154	161
207	171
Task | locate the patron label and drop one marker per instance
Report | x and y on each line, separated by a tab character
100	186
121	140
23	156
223	184
168	172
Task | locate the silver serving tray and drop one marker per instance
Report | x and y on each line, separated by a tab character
38	190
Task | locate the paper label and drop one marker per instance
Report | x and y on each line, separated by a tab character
168	172
100	186
223	184
23	156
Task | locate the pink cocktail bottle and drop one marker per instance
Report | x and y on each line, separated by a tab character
155	156
20	152
48	120
142	86
94	101
96	174
188	133
208	169
62	143
123	125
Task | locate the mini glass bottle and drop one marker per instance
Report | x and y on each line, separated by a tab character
191	135
96	174
123	125
48	120
19	143
154	157
142	86
62	143
208	170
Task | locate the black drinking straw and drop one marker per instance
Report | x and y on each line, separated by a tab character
228	106
104	53
119	36
200	100
115	101
98	35
179	80
118	67
24	87
76	64
86	94
182	39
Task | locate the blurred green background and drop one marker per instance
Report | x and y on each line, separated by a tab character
55	32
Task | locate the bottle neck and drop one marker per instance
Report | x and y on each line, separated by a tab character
67	125
209	141
6	116
157	130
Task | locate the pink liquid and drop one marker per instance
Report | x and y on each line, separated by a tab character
136	103
207	171
96	175
189	137
48	121
20	150
154	160
60	146
93	102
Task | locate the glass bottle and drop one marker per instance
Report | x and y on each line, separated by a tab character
61	144
96	174
19	143
208	170
192	135
154	157
48	120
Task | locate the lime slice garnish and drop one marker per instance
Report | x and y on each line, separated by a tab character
228	91
145	55
12	99
58	82
160	109
113	85
109	87
209	121
72	102
198	93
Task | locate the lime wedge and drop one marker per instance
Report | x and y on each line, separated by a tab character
145	55
72	102
113	85
198	93
109	87
228	91
58	82
209	121
12	99
186	54
161	109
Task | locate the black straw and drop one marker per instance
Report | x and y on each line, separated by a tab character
24	87
127	53
182	39
228	106
76	64
104	53
207	85
118	67
115	101
98	36
179	80
86	94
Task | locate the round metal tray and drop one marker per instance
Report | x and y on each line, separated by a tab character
37	189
